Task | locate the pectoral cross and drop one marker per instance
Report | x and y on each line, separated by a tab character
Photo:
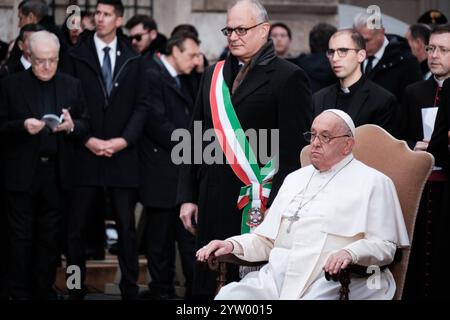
292	219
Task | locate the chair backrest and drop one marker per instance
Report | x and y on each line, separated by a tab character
408	170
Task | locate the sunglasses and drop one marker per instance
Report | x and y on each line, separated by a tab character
137	37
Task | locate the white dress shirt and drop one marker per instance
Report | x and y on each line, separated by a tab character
378	55
100	45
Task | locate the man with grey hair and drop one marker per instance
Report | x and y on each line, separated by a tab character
389	62
319	222
265	92
42	116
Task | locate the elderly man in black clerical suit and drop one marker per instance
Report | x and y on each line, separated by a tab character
37	166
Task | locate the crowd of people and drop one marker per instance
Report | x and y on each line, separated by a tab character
87	119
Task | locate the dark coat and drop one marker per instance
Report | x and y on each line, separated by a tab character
417	96
122	114
273	95
317	68
171	108
439	140
10	68
396	69
369	104
21	150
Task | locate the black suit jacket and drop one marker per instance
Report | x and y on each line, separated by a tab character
439	143
369	104
171	108
10	68
21	150
396	69
417	96
122	114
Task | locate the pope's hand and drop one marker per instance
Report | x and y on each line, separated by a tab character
337	261
217	246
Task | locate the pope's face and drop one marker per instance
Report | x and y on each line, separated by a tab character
326	155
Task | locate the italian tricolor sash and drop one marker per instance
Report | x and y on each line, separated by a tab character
257	181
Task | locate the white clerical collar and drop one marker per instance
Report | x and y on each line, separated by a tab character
338	166
26	64
345	90
169	67
440	83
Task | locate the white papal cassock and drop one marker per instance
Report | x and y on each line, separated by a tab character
351	206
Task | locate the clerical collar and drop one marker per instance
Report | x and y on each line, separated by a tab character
440	83
353	88
338	166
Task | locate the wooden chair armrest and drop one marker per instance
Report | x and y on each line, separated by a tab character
213	261
219	264
344	277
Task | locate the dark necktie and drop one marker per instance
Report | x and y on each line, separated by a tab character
106	70
240	76
177	81
369	65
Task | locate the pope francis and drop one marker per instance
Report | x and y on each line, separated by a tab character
327	215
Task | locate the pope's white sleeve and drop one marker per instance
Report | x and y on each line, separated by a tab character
251	247
372	251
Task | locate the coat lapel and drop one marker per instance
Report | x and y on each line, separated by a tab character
60	98
88	53
30	86
169	80
357	105
256	77
329	100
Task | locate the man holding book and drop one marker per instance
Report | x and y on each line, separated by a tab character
37	163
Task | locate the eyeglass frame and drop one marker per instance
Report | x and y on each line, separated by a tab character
239	34
313	136
432	49
343	54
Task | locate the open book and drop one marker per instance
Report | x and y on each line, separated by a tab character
52	120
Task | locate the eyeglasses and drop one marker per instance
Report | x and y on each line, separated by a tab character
240	31
325	139
342	52
41	62
137	37
441	50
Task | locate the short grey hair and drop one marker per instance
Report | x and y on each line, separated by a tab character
42	36
258	8
362	18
